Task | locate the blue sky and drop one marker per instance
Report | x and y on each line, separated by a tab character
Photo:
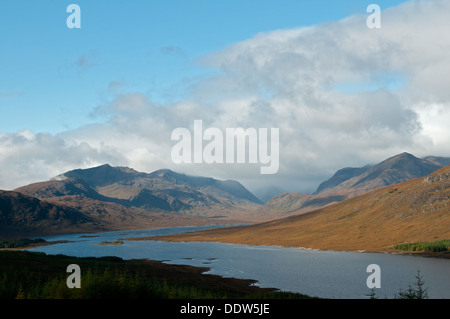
53	78
342	94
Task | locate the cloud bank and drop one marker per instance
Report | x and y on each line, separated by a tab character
340	93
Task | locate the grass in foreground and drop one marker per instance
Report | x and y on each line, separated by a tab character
31	275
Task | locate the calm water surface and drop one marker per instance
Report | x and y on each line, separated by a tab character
326	274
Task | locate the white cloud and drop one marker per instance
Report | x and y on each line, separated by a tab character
27	157
341	94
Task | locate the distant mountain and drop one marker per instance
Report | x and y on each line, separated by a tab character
393	170
160	191
440	161
417	210
348	182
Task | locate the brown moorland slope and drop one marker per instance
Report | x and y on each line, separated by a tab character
412	211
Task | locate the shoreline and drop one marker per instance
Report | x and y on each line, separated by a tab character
172	238
31	246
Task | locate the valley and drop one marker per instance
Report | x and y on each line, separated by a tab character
417	210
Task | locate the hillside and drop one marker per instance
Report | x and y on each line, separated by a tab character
341	176
25	216
287	204
412	211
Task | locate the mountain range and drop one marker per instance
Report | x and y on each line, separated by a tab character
113	198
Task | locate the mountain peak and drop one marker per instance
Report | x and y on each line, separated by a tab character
100	175
405	154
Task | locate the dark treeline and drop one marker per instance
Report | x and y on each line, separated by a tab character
434	246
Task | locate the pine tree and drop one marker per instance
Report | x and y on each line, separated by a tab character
372	294
417	292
